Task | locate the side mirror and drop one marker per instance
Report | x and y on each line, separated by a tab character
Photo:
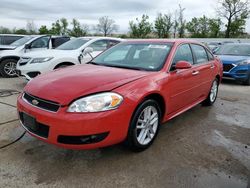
27	46
87	50
183	65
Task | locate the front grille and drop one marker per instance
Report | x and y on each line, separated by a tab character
227	67
41	103
41	129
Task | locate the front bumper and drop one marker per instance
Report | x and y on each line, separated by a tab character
240	73
104	128
30	71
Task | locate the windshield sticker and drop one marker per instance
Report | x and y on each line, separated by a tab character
158	46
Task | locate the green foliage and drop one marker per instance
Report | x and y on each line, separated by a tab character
163	25
235	12
20	31
4	30
78	30
43	30
140	29
204	27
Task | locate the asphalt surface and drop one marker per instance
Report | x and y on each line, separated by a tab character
204	147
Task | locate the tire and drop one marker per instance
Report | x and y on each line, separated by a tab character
8	68
211	98
141	133
247	82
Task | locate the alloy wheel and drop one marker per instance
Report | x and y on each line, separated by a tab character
214	91
10	68
147	125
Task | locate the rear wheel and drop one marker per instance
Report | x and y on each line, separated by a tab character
8	68
144	126
212	94
247	82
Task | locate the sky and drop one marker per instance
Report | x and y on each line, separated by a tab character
16	13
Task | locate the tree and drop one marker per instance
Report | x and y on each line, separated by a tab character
182	22
78	30
176	24
43	30
163	24
64	26
142	28
235	12
215	27
204	27
20	31
31	27
106	26
4	30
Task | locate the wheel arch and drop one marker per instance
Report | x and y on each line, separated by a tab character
159	99
9	57
63	63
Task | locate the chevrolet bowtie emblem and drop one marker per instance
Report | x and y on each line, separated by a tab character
35	102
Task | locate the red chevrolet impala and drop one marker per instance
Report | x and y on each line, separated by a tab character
124	94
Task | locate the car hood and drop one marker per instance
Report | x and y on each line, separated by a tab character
47	53
7	47
67	84
230	59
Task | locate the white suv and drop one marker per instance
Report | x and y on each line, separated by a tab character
10	54
76	51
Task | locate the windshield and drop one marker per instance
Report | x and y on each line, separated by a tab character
73	44
21	41
142	56
237	49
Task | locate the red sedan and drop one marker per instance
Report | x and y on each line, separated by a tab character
124	94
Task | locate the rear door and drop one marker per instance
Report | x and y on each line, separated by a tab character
181	84
204	67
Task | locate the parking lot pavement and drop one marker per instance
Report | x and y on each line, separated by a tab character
204	147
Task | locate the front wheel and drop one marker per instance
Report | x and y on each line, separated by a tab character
8	68
210	100
144	126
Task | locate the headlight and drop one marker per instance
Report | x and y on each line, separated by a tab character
41	60
245	62
96	103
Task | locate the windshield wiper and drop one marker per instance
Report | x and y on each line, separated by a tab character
93	63
124	67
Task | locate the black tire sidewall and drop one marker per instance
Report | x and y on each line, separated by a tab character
2	64
131	138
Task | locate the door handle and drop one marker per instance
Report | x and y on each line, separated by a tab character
194	73
212	66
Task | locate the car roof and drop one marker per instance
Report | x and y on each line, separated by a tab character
96	37
12	35
178	41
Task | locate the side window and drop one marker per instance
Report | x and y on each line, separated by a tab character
183	53
42	42
59	41
200	53
99	45
210	56
9	39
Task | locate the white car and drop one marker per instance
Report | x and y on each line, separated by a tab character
76	51
10	54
